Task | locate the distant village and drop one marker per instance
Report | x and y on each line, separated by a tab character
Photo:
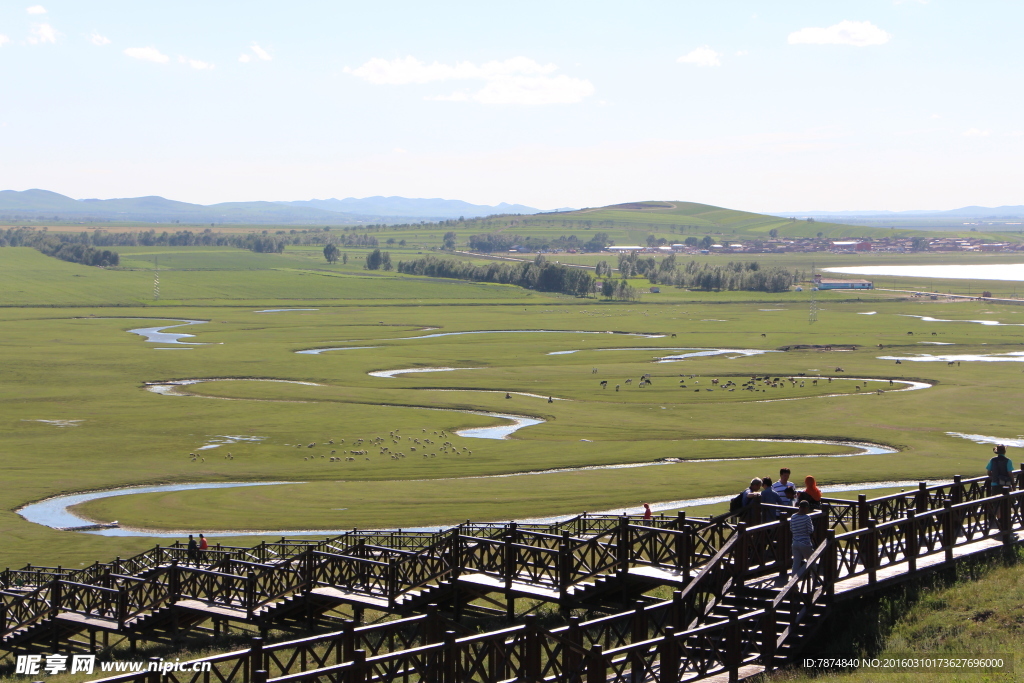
812	244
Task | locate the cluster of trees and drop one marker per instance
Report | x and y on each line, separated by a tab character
78	253
64	247
332	253
620	290
539	274
735	275
498	241
379	260
262	242
703	242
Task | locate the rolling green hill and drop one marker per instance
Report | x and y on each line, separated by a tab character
632	222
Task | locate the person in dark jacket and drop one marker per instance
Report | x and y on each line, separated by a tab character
193	551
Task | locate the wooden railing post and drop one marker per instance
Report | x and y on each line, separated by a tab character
785	541
597	669
256	654
432	631
55	597
509	569
684	550
259	676
862	511
153	672
623	545
392	581
348	640
573	658
948	531
250	594
869	549
770	634
308	558
174	581
921	499
669	657
679	615
451	658
831	560
122	607
358	673
564	569
911	542
740	567
639	622
956	491
1005	523
531	656
733	653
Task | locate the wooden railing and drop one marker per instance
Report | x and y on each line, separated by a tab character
710	557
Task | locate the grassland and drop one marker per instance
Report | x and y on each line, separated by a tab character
68	356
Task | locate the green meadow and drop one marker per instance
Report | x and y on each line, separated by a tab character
77	414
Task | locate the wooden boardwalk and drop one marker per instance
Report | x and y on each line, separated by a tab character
736	608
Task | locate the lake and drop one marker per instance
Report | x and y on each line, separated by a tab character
1013	272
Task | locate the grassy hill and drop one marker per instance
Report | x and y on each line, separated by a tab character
632	222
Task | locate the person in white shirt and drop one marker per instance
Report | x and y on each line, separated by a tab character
785	488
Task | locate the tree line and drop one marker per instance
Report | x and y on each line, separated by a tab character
499	241
53	245
733	276
539	274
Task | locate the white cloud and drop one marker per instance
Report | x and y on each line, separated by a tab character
976	133
4	39
856	33
36	9
261	53
42	33
702	56
199	64
149	54
518	80
97	39
743	53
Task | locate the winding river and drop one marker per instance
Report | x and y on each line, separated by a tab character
56	513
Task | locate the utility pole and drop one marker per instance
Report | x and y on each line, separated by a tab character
812	314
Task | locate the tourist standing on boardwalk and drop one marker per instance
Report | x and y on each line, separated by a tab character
647	511
193	550
802	529
785	488
811	493
203	545
1000	468
770	496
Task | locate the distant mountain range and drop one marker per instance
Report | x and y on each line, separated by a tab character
46	205
965	212
410	208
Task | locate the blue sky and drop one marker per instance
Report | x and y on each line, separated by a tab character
875	104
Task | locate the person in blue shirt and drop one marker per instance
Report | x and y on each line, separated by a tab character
802	529
1000	468
770	495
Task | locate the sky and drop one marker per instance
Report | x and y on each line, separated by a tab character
761	106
